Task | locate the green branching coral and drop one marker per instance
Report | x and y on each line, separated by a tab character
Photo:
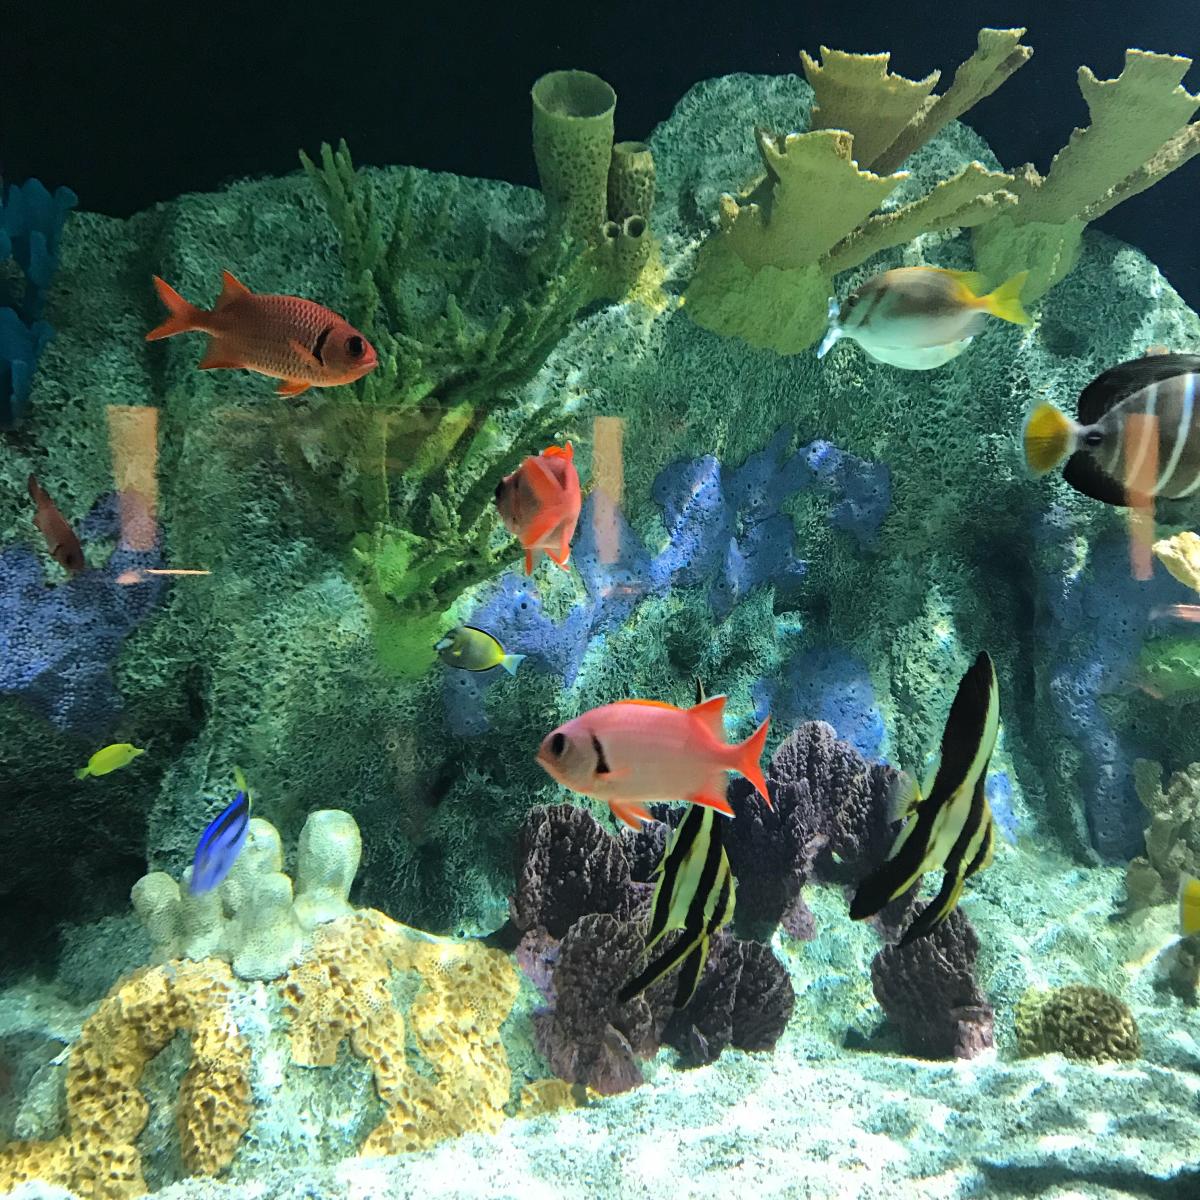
436	425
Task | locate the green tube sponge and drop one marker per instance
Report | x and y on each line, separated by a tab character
572	145
326	863
631	179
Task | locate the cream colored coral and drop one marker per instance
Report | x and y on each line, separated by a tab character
343	990
98	1159
1181	556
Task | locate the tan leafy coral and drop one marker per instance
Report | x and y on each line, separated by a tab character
1139	132
1172	837
1079	1022
459	1080
98	1158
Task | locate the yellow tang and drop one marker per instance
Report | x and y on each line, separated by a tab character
111	758
1189	905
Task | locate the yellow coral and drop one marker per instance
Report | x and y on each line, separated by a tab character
107	1111
344	990
1181	556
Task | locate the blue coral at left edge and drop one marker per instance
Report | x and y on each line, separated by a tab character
727	533
31	225
58	642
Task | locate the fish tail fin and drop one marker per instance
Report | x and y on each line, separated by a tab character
747	756
1189	905
82	773
1048	437
1005	301
528	562
662	965
182	315
510	662
690	972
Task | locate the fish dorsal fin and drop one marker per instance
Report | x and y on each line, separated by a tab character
232	289
974	281
711	714
546	488
1118	383
566	451
1084	474
700	696
649	703
966	725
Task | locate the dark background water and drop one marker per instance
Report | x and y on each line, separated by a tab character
129	104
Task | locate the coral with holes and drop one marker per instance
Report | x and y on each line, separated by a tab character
58	643
440	1070
929	992
727	534
98	1157
1172	838
1080	1022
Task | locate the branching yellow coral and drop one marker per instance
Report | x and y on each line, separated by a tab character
98	1158
344	990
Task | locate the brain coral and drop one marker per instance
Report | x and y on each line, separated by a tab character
1079	1022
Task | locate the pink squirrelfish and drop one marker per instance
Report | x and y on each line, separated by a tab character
539	504
299	341
637	751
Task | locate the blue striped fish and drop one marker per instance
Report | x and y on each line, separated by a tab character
1161	387
222	841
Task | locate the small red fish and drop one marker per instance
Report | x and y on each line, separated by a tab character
636	751
299	341
539	504
60	538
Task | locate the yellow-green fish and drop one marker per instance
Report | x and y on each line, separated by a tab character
471	649
951	825
111	758
694	892
1189	905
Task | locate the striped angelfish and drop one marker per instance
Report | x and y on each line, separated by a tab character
222	841
1136	421
950	825
693	891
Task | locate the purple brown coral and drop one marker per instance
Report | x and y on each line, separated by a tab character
567	865
929	993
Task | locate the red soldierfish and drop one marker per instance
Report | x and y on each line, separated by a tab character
539	504
637	751
299	341
60	537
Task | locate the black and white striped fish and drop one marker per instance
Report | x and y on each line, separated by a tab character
951	826
694	891
1103	451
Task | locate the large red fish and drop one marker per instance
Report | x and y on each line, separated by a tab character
60	537
636	751
539	504
299	341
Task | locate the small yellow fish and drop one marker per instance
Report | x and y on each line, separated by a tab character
1189	904
111	758
472	649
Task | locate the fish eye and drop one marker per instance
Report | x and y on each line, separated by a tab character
500	489
355	346
558	743
1093	437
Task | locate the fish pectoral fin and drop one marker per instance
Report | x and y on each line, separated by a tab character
664	964
216	357
292	387
231	289
546	488
630	812
712	800
541	526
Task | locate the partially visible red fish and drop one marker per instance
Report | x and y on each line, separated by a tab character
299	341
60	537
539	504
637	751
